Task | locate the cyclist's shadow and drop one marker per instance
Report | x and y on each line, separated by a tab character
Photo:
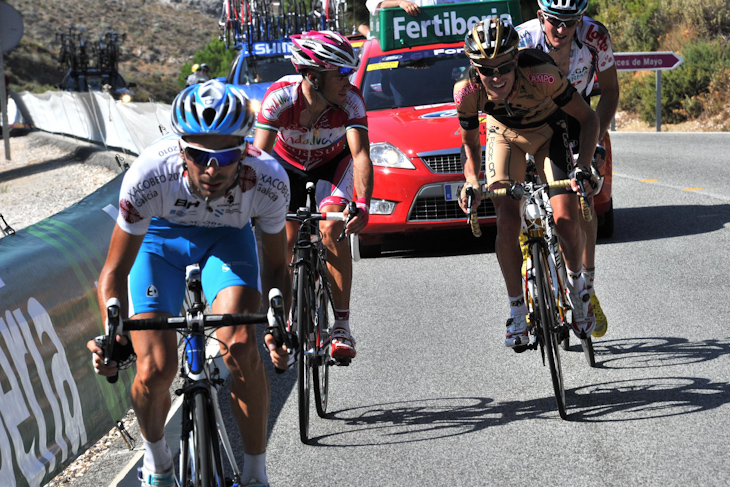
658	222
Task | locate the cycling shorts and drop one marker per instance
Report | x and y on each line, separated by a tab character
333	182
506	149
227	256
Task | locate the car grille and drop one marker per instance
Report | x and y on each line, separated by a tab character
444	163
427	208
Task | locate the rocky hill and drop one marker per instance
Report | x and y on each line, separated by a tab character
161	35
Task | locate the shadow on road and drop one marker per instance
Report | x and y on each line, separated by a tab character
649	352
625	400
653	223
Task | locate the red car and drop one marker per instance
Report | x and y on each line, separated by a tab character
415	142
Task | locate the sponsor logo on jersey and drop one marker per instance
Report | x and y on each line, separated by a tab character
464	92
541	78
129	212
247	179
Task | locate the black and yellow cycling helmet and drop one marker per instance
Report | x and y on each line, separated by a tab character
490	38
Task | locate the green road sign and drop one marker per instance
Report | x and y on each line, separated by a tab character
395	29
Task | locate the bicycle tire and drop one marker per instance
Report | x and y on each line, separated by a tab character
196	469
549	324
303	289
322	362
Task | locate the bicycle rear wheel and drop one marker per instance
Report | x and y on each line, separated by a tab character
549	324
303	287
322	361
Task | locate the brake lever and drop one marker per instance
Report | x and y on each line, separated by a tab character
277	325
113	328
352	213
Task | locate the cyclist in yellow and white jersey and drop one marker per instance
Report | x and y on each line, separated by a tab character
581	47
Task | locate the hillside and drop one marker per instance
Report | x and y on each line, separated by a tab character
161	36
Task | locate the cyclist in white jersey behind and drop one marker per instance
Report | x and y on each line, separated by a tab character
189	199
581	47
318	121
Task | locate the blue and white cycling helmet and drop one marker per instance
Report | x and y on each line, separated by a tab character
563	8
212	108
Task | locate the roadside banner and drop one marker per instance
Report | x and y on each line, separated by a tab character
52	404
395	29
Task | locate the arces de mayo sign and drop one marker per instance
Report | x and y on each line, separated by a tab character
395	29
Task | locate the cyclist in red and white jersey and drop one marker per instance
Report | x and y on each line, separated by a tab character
315	125
581	47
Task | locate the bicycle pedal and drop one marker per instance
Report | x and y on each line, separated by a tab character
342	362
520	348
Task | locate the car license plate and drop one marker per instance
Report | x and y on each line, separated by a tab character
452	191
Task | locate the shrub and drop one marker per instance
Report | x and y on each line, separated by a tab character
215	55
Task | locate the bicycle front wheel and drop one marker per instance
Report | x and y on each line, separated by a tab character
303	289
549	323
322	362
196	465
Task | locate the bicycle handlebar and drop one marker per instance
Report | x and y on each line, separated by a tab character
115	325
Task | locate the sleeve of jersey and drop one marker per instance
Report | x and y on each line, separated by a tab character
357	117
271	108
271	211
136	201
597	36
465	97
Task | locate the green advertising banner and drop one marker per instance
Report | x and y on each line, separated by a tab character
52	404
395	29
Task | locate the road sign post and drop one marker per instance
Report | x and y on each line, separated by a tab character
650	61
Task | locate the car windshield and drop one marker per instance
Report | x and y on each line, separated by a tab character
273	68
412	78
260	70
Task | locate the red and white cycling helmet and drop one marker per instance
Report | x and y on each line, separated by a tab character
323	51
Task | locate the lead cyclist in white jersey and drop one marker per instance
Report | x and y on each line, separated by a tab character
188	199
581	47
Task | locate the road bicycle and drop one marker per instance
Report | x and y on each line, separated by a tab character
550	312
203	440
313	308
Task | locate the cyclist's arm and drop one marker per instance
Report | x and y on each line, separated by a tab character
275	271
264	140
608	103
589	126
472	150
359	144
123	250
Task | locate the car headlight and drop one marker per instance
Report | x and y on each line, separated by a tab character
387	155
126	98
381	207
255	106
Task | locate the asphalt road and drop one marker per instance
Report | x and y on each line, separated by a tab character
434	397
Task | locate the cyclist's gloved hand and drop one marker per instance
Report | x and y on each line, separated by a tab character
582	174
476	199
122	358
280	356
360	221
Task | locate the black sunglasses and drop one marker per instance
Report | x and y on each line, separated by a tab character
558	21
502	69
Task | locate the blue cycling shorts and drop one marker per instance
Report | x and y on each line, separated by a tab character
227	256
